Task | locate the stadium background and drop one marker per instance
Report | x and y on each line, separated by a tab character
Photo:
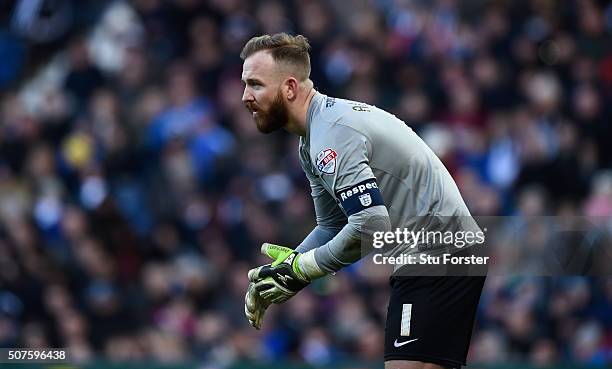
135	190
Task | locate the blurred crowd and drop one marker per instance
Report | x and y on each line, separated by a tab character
135	190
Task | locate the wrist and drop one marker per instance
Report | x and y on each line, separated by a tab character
308	266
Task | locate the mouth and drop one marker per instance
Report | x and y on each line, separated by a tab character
254	111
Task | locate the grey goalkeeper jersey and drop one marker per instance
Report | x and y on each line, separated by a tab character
361	162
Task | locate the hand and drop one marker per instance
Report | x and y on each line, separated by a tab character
281	280
254	306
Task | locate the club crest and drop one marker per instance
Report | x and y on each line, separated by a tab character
365	199
326	161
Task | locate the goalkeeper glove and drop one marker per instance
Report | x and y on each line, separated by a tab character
254	306
286	276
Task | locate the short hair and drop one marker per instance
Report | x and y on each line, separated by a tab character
291	51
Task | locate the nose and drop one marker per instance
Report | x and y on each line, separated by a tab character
247	95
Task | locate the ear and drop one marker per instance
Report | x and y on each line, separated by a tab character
290	87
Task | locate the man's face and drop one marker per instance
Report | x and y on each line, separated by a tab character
262	93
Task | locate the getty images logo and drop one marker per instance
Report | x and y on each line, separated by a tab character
365	200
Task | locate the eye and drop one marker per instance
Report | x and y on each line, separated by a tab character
254	84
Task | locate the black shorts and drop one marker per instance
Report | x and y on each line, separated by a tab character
430	319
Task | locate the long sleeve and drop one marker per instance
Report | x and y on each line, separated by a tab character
353	242
356	196
330	218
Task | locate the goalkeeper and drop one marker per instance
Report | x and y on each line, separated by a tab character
367	171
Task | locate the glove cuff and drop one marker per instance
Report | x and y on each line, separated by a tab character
308	265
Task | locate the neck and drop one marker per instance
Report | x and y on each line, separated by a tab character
298	115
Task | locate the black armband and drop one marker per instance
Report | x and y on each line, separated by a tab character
361	196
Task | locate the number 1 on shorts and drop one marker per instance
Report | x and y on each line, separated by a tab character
405	323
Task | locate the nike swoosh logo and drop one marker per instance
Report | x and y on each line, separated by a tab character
399	344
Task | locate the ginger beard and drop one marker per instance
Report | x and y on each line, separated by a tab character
274	118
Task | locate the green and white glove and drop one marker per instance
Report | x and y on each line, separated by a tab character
254	306
287	275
